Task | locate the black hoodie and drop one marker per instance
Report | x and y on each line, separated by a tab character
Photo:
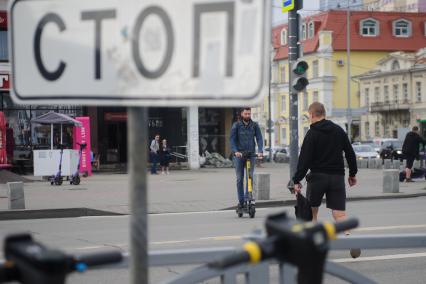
411	144
322	151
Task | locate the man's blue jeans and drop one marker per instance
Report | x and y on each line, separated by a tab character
154	161
239	170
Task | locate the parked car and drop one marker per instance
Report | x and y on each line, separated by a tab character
368	143
378	142
391	149
282	155
279	154
365	152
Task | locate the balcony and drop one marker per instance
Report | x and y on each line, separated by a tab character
400	105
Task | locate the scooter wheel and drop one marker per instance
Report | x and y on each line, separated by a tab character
51	183
252	212
59	181
76	180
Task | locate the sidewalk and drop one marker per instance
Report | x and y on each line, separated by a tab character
185	191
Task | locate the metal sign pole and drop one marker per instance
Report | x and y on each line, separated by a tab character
293	55
137	135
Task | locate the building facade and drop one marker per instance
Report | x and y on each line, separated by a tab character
395	5
341	4
394	94
323	37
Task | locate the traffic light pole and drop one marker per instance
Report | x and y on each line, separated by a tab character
293	55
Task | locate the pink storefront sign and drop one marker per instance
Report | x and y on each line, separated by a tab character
82	136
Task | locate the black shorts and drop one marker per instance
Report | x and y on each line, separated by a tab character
410	161
333	186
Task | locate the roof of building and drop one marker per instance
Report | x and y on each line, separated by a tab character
335	21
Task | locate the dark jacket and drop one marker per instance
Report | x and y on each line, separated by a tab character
411	144
242	137
322	151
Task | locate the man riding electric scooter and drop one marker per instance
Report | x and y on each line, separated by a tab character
243	135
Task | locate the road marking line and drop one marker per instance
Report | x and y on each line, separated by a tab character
380	257
380	228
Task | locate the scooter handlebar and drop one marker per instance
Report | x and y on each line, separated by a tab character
346	225
96	259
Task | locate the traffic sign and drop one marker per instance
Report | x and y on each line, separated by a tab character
146	53
288	5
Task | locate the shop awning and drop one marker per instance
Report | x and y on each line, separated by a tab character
56	118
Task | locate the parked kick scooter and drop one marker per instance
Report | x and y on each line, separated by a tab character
75	178
249	206
58	178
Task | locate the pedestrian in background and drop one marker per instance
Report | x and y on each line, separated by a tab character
410	149
165	157
154	148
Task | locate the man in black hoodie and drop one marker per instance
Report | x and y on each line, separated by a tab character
322	153
410	149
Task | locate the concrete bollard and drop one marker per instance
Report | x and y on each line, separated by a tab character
379	164
390	181
362	164
261	186
396	164
371	163
387	165
16	195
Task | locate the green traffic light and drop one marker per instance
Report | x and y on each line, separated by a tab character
301	67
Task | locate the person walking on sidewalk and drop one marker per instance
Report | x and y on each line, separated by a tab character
164	157
322	154
410	149
245	133
154	148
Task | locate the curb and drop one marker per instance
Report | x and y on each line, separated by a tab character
279	203
53	213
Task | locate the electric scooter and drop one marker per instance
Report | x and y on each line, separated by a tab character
249	206
58	178
75	178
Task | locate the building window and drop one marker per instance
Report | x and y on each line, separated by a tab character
377	94
369	27
419	91
311	30
386	93
315	69
395	92
367	130
284	37
377	128
303	31
3	46
305	101
283	135
405	91
315	96
387	130
395	65
283	104
282	71
367	96
402	28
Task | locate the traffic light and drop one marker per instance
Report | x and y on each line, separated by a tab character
299	80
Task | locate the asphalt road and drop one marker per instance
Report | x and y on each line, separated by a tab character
224	229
